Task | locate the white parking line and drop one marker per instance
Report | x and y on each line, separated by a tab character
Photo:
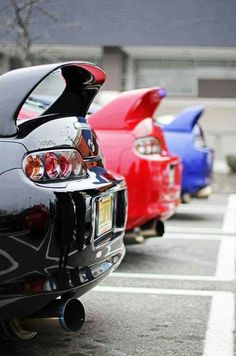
192	236
174	277
219	339
229	223
195	230
201	209
219	336
225	268
183	292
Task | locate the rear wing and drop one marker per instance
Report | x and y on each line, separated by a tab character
82	82
185	120
127	109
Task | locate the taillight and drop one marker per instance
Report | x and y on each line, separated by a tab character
66	165
148	146
199	140
76	163
34	167
54	165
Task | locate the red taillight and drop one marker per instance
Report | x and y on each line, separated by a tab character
34	167
54	165
66	165
148	146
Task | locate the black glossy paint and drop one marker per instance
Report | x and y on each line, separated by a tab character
82	85
48	236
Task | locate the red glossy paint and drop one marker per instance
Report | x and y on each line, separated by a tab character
153	191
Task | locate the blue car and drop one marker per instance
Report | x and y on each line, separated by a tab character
185	138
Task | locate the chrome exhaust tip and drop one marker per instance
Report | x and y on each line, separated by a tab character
156	228
204	192
133	237
68	315
185	198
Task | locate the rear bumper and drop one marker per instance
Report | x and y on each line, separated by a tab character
33	293
197	171
49	240
154	193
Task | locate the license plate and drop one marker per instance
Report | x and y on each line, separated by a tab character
172	175
104	215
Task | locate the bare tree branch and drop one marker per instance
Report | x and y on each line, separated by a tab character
46	13
19	17
21	24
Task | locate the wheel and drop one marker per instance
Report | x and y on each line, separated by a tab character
12	330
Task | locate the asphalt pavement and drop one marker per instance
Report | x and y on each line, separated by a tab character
172	296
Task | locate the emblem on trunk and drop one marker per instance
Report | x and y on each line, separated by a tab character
46	143
91	145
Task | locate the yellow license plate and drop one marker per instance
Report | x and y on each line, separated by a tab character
104	215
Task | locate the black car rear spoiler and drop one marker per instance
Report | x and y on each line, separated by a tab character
83	80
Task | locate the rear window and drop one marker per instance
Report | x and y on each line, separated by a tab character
43	96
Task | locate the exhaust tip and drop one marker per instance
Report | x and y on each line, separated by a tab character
68	315
204	192
153	228
133	237
160	228
185	198
74	315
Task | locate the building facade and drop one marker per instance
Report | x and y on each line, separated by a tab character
186	46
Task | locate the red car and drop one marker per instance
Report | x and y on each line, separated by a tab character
135	148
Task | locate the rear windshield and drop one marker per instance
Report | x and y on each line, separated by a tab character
43	96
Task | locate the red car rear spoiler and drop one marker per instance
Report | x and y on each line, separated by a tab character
127	109
82	79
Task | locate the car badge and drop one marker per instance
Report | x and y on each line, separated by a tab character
91	145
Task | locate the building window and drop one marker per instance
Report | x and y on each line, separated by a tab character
180	77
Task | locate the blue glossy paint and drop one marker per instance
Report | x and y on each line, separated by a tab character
185	120
197	161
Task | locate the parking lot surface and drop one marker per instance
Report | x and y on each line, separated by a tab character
170	296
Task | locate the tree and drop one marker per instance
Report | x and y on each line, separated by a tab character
20	25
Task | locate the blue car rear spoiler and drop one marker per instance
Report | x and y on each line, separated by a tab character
185	120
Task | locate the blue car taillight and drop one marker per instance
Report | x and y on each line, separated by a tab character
51	165
199	139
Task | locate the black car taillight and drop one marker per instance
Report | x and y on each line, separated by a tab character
148	146
54	165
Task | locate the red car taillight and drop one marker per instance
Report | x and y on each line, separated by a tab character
148	146
53	165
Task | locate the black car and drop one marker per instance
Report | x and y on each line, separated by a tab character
62	214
